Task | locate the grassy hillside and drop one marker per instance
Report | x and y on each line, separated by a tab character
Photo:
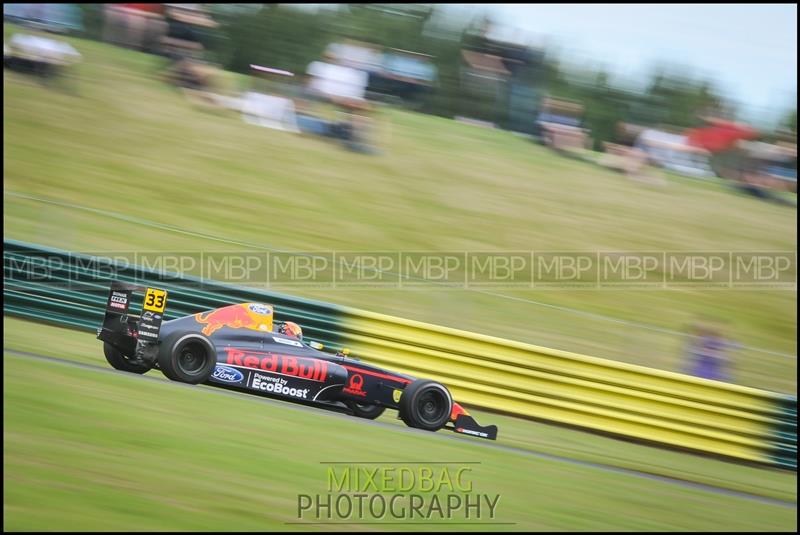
117	139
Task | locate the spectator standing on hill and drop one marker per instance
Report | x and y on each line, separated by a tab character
707	353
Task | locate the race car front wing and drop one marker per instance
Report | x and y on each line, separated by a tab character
466	424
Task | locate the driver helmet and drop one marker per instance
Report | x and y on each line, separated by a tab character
289	328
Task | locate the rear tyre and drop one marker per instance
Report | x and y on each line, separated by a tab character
370	412
426	405
119	361
187	357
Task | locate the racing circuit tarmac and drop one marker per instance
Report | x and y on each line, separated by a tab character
435	436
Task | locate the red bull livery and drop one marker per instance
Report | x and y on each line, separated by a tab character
253	316
241	347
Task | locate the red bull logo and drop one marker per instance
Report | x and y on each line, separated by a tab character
254	316
311	369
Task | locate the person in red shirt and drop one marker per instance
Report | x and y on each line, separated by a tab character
720	135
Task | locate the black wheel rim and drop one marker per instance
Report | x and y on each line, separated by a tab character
432	407
192	358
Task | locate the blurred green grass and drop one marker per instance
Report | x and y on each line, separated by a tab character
117	138
86	450
82	347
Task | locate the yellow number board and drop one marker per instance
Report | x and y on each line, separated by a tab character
155	300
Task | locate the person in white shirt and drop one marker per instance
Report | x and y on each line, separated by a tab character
337	82
344	87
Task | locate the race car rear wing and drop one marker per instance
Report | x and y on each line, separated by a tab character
131	333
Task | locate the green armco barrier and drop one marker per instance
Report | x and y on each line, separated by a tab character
668	408
64	288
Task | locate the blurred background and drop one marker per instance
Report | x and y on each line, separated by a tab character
422	127
416	128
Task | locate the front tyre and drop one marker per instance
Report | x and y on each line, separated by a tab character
119	361
187	357
370	412
426	405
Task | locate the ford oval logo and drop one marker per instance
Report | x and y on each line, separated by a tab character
260	309
228	375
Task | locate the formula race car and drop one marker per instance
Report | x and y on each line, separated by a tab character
239	347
